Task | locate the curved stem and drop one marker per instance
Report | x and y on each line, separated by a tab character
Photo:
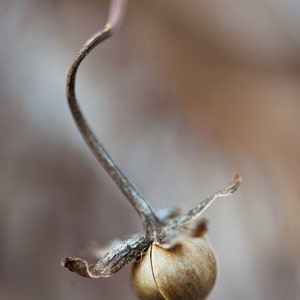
143	208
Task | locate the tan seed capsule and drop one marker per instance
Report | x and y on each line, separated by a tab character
186	271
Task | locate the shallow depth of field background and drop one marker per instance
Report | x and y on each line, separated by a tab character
184	96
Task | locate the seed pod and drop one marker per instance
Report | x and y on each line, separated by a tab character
173	266
186	271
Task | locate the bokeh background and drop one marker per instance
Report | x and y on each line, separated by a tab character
185	95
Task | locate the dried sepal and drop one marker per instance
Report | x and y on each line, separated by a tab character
168	235
203	205
114	260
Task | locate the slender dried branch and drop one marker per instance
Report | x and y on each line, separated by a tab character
148	216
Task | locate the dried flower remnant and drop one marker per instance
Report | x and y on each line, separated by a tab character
171	261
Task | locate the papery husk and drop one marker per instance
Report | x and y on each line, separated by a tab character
186	271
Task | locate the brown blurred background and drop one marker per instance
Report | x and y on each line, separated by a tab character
185	95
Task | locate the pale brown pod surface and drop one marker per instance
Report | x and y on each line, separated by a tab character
186	271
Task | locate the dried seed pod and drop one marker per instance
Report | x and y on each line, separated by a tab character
186	271
174	265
